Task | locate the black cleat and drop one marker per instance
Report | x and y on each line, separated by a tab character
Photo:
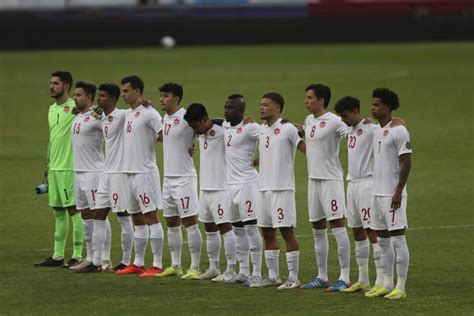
50	262
120	266
90	269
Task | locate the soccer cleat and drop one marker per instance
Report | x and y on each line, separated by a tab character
239	278
225	277
377	292
338	286
107	266
169	272
50	262
396	294
190	274
356	287
267	282
315	283
80	266
131	269
120	266
71	263
208	275
151	272
288	285
252	280
90	269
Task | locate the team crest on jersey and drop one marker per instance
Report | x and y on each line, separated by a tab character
86	119
408	145
276	131
239	130
67	109
322	124
359	132
212	132
176	121
110	118
385	132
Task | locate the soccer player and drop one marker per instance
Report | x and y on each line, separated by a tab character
242	186
110	192
277	207
326	201
180	199
61	174
87	142
213	206
359	190
392	163
142	185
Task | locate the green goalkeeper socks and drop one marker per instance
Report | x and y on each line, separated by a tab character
60	234
78	235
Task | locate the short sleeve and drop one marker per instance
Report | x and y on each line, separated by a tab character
254	130
342	129
155	121
402	141
292	134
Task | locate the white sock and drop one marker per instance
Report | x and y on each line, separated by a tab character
388	257
271	258
156	241
88	231
256	245
229	246
403	260
175	242
378	264
213	246
126	238
362	251
321	249
140	238
242	249
107	242
195	245
98	238
343	252
293	262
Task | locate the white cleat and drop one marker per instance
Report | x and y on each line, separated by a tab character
252	280
239	278
225	277
84	263
267	282
208	275
107	266
288	285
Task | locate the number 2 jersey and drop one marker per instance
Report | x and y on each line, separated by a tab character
87	141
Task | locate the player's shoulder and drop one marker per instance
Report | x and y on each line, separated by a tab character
399	131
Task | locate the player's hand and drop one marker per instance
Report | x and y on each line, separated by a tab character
284	121
248	120
96	112
396	200
146	103
396	121
367	121
192	151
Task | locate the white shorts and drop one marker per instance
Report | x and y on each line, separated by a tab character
142	192
326	200
384	218
276	209
111	192
213	207
180	197
85	189
242	199
359	203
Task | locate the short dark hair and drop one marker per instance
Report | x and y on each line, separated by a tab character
195	113
64	76
235	96
88	87
347	103
275	97
174	88
135	82
321	91
387	96
112	90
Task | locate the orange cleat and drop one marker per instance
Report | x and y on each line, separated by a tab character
151	272
131	269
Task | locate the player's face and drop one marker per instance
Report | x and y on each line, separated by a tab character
104	100
81	99
379	109
199	127
350	118
129	94
168	101
56	87
232	111
268	109
313	104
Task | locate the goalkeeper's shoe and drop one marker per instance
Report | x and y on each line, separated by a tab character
356	287
377	292
91	268
396	294
131	269
191	274
50	262
151	272
169	272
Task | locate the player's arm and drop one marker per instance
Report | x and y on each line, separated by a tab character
300	129
217	121
302	146
405	166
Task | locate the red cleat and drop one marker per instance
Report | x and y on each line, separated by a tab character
151	272
131	269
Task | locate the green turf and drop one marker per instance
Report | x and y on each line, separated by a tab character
435	85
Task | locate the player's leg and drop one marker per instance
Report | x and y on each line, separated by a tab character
156	242
67	193
98	238
106	262
126	239
379	266
195	245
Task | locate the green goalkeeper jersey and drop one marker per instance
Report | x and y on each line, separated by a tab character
60	119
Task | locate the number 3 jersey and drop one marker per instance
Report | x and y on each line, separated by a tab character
87	141
140	131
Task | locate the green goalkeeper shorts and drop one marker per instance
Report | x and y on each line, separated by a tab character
61	188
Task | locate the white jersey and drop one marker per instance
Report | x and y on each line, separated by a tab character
140	131
389	143
240	144
212	173
177	139
112	129
359	150
323	136
87	141
277	147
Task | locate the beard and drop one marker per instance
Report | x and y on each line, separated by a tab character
57	95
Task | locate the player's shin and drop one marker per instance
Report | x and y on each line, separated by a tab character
175	242
126	238
362	251
77	235
213	246
195	245
256	245
98	239
403	260
230	251
156	241
60	234
388	257
321	249
242	250
140	240
343	252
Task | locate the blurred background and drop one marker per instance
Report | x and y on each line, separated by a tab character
48	24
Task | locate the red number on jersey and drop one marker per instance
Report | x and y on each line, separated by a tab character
334	205
77	128
185	202
106	131
366	212
267	142
352	141
115	197
249	206
229	139
205	145
313	131
281	214
145	199
129	126
167	128
220	211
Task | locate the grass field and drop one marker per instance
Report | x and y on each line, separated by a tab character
435	85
